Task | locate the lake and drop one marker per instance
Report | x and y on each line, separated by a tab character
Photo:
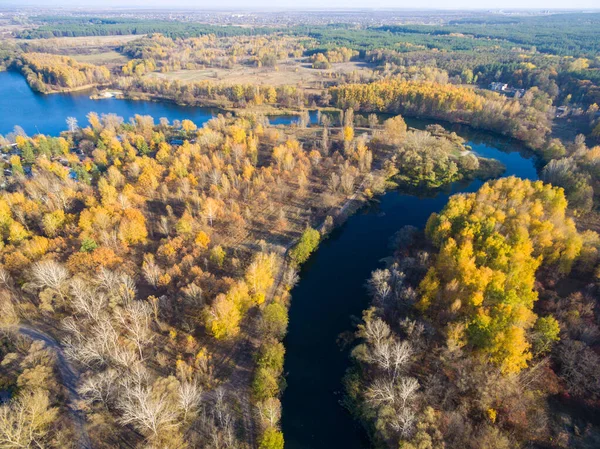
331	294
46	114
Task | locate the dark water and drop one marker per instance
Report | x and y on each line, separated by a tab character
331	291
47	114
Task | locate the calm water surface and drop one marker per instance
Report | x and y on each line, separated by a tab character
331	290
47	114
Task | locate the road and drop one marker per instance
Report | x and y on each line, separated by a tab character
69	376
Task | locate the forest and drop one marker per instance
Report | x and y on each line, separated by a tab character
541	68
159	257
577	40
45	72
522	120
148	266
466	339
55	26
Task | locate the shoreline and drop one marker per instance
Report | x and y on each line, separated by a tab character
268	110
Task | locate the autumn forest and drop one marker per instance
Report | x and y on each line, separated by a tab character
150	266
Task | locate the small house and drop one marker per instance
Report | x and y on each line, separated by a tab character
498	87
562	111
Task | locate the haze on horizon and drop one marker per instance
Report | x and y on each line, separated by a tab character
306	4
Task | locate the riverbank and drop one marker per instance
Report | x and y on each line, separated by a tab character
334	221
267	110
69	90
47	114
107	94
273	110
331	296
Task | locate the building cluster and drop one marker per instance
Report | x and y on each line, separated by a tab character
507	90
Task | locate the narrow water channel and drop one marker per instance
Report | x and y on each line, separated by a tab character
331	293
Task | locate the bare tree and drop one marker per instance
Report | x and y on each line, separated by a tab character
401	352
220	409
50	274
404	422
381	354
100	387
125	357
382	391
325	140
127	289
269	412
373	121
375	330
93	348
8	310
215	177
108	280
290	277
144	409
88	301
333	184
348	118
579	368
151	271
407	387
347	181
72	124
379	284
135	320
25	421
163	225
194	294
190	395
5	277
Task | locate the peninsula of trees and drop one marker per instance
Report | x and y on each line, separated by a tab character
465	341
146	266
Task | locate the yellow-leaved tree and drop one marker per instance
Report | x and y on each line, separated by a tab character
481	286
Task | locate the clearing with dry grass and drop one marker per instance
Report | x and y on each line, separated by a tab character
110	57
296	72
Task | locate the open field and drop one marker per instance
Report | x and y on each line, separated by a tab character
84	41
291	72
7	29
100	50
105	58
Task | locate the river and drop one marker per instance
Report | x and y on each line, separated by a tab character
331	296
331	293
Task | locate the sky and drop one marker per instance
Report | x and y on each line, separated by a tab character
295	4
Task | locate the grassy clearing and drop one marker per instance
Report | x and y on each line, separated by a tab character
289	72
103	58
99	50
85	41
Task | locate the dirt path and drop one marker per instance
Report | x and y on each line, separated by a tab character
70	377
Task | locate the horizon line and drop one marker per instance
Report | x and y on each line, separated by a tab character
289	8
292	8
